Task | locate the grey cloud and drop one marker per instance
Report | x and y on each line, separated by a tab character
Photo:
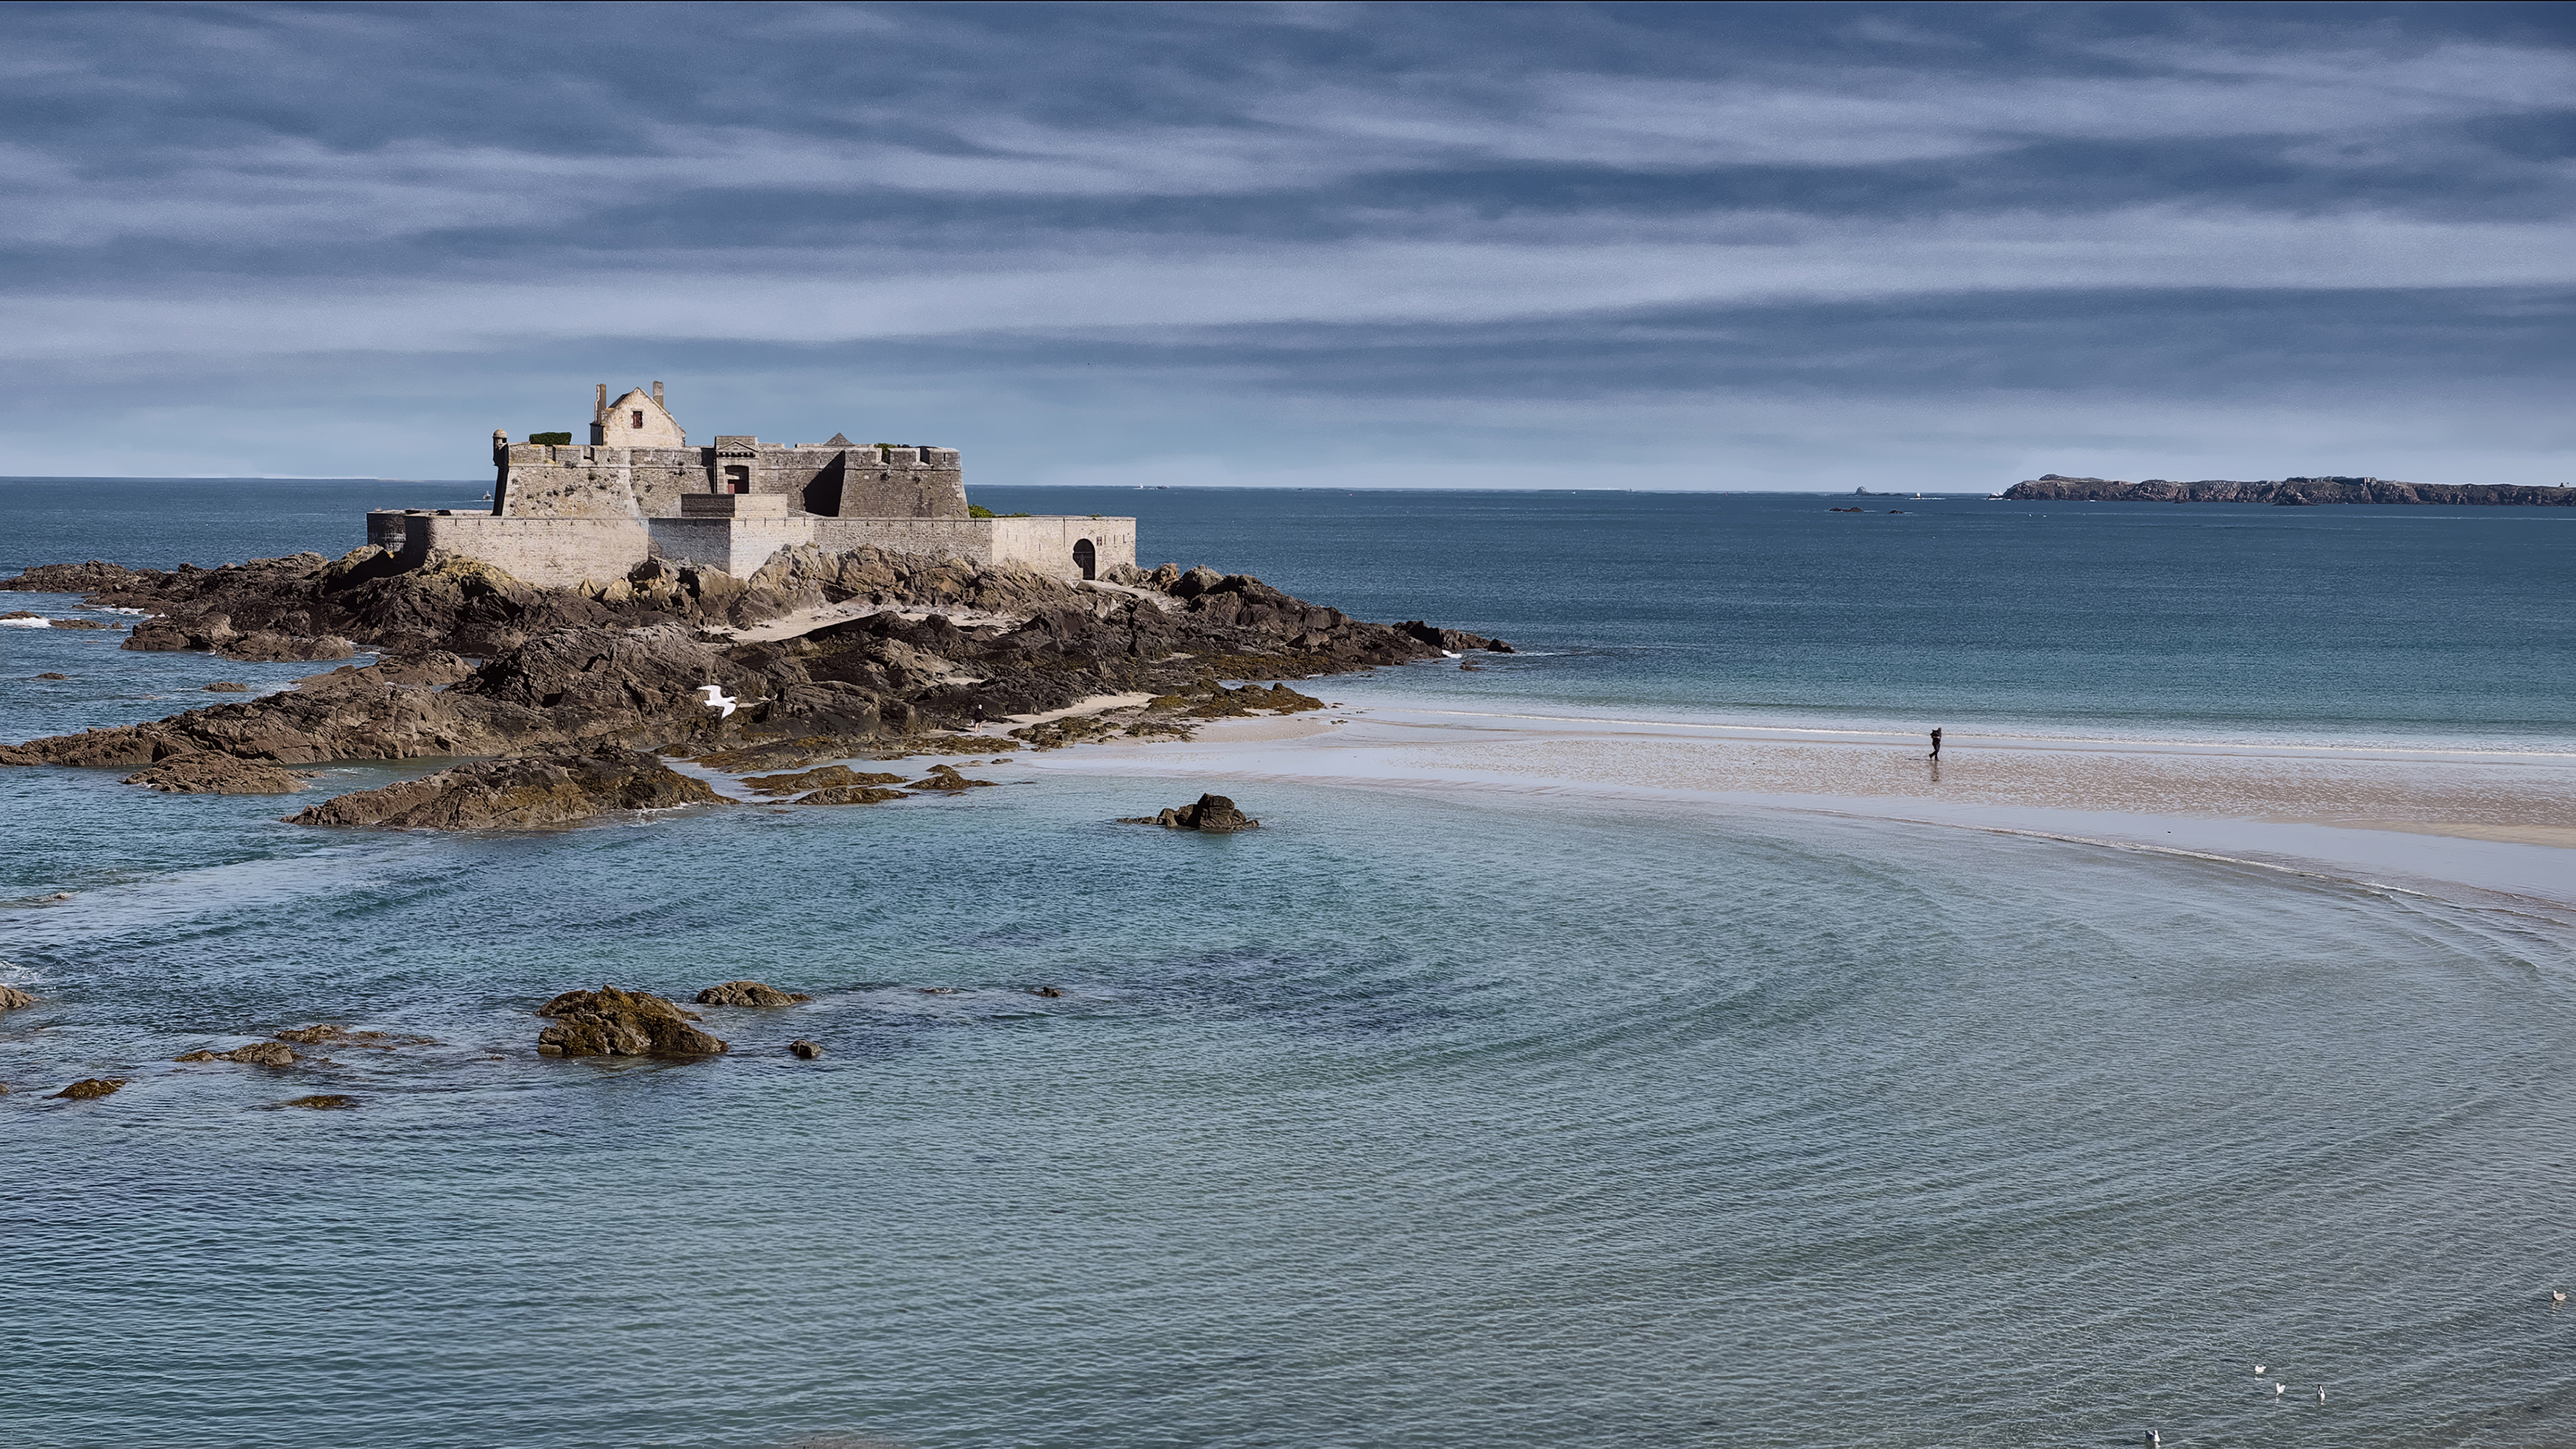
1285	199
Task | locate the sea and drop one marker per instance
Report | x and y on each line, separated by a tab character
1411	1119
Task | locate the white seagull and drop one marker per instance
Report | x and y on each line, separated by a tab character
2258	1371
2321	1393
716	699
2154	1438
2279	1389
2557	1297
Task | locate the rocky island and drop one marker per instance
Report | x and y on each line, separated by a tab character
2288	492
576	696
748	606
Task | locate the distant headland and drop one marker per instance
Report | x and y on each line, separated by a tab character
2288	492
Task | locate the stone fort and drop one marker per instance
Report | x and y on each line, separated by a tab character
564	513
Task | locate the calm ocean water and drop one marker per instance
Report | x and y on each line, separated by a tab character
1407	1120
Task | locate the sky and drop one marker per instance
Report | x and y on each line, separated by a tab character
1667	246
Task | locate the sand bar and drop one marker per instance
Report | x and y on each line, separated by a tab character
2463	824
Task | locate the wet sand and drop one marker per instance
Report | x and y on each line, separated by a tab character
2456	823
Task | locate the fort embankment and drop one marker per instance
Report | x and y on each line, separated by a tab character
2289	492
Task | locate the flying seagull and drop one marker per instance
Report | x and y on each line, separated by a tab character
716	699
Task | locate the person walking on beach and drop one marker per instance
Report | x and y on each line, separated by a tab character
1936	744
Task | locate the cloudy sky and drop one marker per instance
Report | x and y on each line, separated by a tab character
1664	246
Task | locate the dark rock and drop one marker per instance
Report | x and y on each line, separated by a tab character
93	577
164	635
268	646
207	773
749	993
519	794
76	624
320	1033
1045	991
322	1102
89	1087
13	999
825	778
852	795
570	668
257	1054
1453	641
227	686
614	1023
1214	814
49	674
805	1050
944	778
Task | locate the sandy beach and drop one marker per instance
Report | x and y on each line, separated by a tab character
2496	828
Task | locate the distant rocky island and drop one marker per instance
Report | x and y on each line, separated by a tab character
2289	492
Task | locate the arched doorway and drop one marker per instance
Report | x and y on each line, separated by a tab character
1085	559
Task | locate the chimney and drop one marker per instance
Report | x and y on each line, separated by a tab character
599	409
657	394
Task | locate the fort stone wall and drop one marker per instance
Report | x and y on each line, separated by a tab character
568	552
540	480
568	513
559	553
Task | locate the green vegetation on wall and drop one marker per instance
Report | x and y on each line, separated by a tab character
557	439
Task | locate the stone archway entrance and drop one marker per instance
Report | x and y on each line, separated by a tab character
1086	558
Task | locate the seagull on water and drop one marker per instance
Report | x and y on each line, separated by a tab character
716	699
2154	1438
2557	1297
2321	1393
2279	1389
2258	1371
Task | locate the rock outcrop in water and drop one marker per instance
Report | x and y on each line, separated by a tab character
205	772
88	1088
2288	492
613	1023
851	795
1214	814
257	1054
749	993
934	646
13	999
520	793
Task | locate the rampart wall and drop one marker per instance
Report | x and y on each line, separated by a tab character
565	552
542	480
556	552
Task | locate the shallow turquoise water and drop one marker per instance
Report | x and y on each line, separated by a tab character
1407	1120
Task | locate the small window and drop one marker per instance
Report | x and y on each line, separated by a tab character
639	417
